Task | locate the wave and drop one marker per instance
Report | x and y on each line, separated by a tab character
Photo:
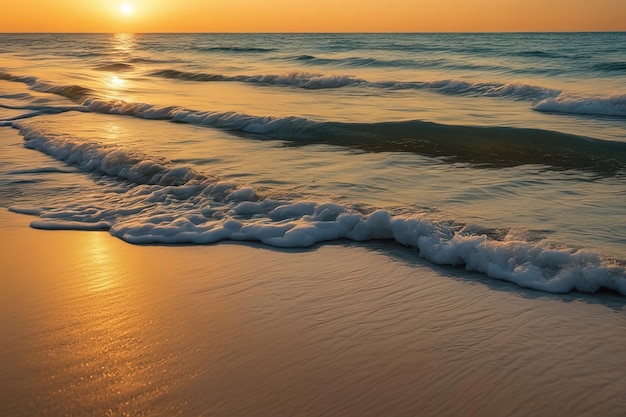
74	92
152	60
17	96
315	81
432	62
171	203
614	106
546	99
115	67
9	121
110	160
538	54
34	111
233	49
483	146
617	66
295	79
354	61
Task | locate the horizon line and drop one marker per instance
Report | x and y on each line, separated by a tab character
315	33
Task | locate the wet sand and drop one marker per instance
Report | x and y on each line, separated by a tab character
93	326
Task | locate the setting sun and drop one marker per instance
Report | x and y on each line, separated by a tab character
141	16
126	9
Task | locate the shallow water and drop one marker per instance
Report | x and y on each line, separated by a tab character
504	153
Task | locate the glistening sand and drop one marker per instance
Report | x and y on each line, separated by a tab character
93	326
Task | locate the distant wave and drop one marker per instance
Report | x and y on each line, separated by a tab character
538	54
175	204
315	81
232	49
614	106
354	61
152	60
616	66
364	62
547	99
295	79
115	67
485	146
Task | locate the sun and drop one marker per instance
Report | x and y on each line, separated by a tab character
126	8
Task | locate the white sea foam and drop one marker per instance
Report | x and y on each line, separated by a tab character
69	225
303	224
107	159
169	203
243	122
575	104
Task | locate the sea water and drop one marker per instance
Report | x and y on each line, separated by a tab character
504	154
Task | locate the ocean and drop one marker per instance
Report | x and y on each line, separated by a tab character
501	154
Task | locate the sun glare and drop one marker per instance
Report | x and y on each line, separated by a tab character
126	8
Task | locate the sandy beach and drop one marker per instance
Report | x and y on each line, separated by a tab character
340	209
93	326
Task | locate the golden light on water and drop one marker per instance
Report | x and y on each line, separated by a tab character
123	43
123	48
116	82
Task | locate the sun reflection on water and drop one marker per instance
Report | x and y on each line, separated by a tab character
124	44
116	82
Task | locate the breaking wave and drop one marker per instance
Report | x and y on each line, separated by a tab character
545	99
614	106
169	203
295	79
321	81
484	146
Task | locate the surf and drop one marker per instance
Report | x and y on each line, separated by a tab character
478	145
175	204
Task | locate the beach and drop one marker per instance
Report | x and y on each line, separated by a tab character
287	224
94	326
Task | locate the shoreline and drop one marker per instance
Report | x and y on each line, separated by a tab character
92	326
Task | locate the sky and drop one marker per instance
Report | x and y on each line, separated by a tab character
312	16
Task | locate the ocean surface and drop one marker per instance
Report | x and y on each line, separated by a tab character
504	154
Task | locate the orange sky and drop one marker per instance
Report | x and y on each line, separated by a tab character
313	16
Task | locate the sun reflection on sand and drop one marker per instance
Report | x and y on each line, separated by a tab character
96	344
105	271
